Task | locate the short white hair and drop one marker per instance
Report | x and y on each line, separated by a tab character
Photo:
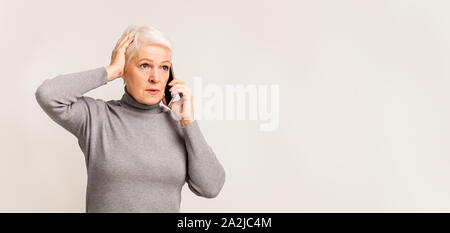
146	35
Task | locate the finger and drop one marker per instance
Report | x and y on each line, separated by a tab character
175	81
176	107
177	85
171	105
126	42
127	37
182	90
185	91
122	38
174	86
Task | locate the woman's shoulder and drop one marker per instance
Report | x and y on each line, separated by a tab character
98	105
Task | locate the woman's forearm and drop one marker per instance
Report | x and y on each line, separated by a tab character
206	175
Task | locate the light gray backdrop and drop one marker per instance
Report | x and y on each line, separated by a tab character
363	105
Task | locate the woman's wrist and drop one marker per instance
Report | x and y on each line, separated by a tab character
185	123
113	72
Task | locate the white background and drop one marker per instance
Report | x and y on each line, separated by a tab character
364	113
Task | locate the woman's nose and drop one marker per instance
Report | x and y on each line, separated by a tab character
154	76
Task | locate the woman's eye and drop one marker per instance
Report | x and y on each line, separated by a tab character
165	68
145	64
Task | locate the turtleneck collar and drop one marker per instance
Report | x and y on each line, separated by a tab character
130	101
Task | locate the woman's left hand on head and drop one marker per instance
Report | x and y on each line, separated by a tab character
183	109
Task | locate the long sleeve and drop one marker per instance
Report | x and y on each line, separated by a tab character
206	176
62	98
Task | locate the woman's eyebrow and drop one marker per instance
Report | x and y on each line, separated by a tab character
145	58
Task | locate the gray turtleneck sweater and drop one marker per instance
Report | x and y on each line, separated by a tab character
138	157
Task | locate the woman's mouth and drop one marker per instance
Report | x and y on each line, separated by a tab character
152	91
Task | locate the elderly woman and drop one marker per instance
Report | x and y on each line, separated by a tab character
138	152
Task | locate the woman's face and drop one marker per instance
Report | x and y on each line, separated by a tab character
147	72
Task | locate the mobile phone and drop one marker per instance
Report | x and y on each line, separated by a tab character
167	94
